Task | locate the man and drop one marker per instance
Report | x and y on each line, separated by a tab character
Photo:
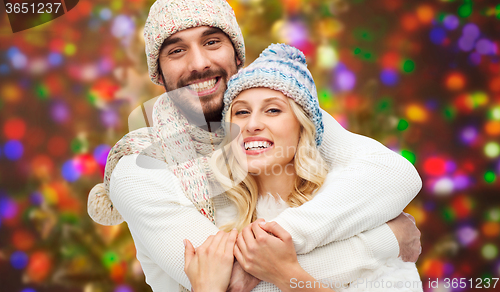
198	45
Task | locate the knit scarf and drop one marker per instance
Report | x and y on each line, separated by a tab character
183	147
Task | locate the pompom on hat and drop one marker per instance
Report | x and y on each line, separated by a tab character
282	68
166	17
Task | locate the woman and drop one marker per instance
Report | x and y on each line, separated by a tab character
279	130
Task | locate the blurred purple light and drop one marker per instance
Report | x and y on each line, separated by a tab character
484	47
475	58
101	154
344	79
19	260
389	77
451	22
468	135
466	43
437	35
70	171
55	59
450	166
296	33
123	288
466	235
122	26
471	31
461	182
36	198
105	65
59	111
109	118
13	150
8	208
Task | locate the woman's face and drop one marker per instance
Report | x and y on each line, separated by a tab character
269	131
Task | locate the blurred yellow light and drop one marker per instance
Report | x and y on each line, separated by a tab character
425	13
327	57
492	150
416	113
10	93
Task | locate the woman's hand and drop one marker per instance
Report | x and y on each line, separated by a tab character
209	267
267	257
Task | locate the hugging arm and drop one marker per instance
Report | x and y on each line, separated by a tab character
159	217
366	181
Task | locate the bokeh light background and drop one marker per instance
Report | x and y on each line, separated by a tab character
422	77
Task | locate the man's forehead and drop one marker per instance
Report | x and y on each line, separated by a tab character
191	33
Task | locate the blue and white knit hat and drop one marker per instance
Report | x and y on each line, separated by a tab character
167	17
283	68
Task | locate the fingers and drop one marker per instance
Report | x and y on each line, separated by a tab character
188	252
231	241
258	232
248	236
238	255
277	230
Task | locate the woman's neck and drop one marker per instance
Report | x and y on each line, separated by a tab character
277	183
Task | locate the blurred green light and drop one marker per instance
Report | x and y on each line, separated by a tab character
492	150
410	156
357	51
490	177
384	104
109	258
495	113
450	113
448	214
408	66
403	125
493	215
465	10
489	251
42	91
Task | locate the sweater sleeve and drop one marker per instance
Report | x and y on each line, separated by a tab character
151	201
368	185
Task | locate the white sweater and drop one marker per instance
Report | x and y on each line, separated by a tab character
367	180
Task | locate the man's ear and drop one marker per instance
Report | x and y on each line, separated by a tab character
160	78
238	62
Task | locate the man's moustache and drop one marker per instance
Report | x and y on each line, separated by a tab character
197	76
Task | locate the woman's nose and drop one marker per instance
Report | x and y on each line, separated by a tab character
255	124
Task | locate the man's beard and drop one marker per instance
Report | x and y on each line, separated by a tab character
211	105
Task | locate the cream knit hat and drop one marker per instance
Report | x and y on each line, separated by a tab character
167	17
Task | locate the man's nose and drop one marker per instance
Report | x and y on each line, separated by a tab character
199	60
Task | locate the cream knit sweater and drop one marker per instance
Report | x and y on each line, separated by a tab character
338	234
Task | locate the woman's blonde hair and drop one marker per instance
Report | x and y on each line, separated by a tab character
310	168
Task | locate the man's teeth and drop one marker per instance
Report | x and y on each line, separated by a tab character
256	145
202	86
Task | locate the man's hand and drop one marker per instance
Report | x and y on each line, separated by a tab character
241	281
408	237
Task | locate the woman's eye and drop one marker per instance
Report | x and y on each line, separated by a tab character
241	112
274	110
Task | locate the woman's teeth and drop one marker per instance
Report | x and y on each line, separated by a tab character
202	86
256	145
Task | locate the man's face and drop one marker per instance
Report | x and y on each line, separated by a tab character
201	59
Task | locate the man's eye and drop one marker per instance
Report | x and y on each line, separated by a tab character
212	42
175	52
